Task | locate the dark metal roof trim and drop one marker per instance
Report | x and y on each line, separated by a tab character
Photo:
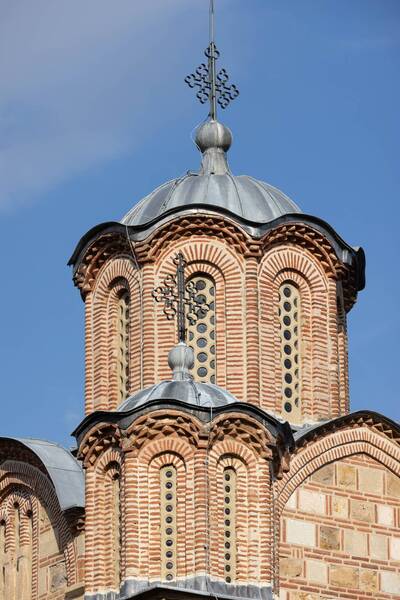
277	428
346	253
303	433
64	470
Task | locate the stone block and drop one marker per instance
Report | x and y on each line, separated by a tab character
346	577
42	580
48	543
360	510
368	580
329	537
390	582
317	572
394	548
346	476
300	532
292	502
392	485
58	576
385	515
312	502
291	567
325	475
370	481
340	507
378	546
80	545
355	542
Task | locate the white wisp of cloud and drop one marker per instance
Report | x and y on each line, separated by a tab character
75	79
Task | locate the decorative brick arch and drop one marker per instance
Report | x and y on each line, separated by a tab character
37	487
319	331
100	513
252	513
118	274
333	447
227	268
161	428
143	473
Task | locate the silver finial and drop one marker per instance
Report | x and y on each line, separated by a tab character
181	360
212	86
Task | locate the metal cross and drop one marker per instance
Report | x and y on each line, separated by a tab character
211	85
180	298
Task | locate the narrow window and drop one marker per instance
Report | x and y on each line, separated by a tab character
229	525
168	522
116	525
201	334
24	584
289	315
16	584
123	346
3	559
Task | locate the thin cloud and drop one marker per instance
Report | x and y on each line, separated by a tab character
74	84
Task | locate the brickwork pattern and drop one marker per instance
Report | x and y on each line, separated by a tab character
341	519
49	556
199	454
247	324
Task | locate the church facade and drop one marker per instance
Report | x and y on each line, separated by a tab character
224	462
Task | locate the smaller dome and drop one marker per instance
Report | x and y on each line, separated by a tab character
188	391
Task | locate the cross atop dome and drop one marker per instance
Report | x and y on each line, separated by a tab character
212	85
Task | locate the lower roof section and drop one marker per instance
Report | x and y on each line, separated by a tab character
63	469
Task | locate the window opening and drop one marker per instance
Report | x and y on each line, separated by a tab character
123	345
201	335
229	525
289	316
168	522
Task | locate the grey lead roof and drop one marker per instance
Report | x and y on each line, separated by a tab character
64	471
214	186
188	391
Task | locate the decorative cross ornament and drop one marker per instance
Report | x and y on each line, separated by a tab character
211	85
180	298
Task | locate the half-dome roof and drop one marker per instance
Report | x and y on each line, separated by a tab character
214	187
187	391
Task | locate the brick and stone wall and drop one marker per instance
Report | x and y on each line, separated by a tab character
41	552
340	533
247	277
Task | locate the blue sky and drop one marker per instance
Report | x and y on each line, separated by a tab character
94	114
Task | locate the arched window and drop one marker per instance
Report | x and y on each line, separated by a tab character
3	559
116	525
109	483
168	523
229	525
123	345
201	335
289	317
24	559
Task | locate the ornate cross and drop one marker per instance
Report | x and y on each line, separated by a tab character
211	85
180	298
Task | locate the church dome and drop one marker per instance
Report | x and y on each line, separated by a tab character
214	187
188	391
182	387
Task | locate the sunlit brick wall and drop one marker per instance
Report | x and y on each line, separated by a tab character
340	534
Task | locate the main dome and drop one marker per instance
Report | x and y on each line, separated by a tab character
214	187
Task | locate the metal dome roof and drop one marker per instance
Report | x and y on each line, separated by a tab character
187	391
64	470
214	186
